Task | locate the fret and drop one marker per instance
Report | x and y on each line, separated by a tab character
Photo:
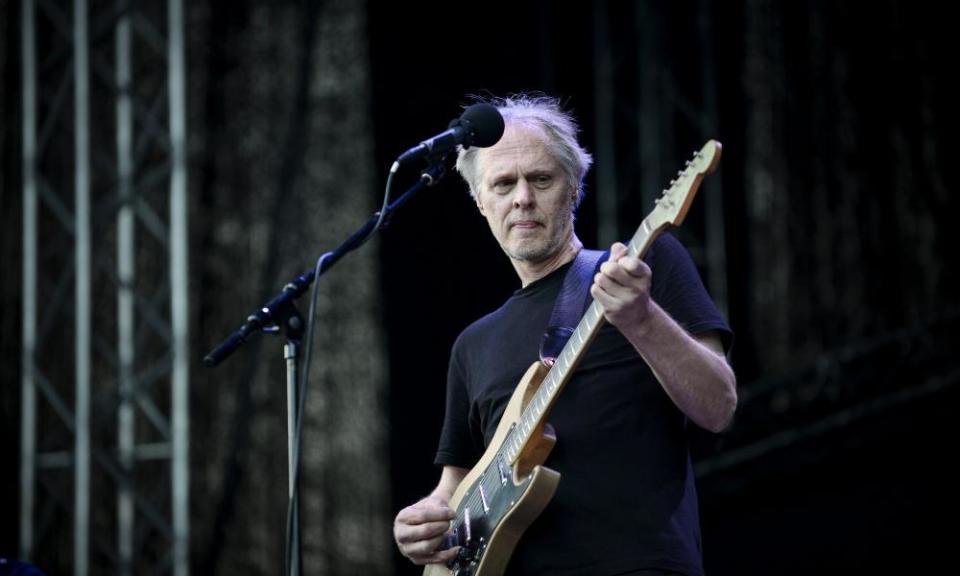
576	345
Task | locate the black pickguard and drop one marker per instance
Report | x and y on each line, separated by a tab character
481	511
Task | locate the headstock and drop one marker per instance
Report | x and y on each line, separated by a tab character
673	203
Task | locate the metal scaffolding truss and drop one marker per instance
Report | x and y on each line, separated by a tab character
104	452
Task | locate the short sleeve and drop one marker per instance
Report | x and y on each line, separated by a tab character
678	289
457	446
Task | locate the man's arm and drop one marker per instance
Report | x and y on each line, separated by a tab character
419	529
692	370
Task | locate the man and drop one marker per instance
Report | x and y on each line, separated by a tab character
626	502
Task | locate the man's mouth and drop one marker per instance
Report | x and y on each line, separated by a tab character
525	224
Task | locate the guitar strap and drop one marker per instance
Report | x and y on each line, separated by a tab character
571	303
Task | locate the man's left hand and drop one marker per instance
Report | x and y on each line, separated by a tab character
622	287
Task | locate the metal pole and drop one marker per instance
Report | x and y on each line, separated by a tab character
28	399
649	73
126	436
179	290
81	494
607	190
290	353
715	225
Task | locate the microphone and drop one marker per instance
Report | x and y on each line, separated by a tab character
480	125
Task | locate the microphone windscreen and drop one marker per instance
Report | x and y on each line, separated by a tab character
484	123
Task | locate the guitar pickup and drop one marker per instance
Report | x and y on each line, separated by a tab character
483	498
504	471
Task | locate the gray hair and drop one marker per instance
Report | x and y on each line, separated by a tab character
559	126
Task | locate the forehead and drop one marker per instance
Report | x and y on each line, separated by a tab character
521	148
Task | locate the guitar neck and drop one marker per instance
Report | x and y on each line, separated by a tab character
671	208
566	363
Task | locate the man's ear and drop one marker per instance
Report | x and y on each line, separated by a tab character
479	204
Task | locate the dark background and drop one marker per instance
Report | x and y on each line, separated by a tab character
839	210
860	485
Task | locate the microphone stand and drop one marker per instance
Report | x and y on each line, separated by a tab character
280	311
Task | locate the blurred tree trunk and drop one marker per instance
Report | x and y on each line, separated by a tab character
847	207
280	101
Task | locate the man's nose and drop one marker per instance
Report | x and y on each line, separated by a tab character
523	194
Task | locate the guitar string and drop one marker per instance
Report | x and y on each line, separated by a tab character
520	434
544	396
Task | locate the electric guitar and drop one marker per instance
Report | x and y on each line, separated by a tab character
509	486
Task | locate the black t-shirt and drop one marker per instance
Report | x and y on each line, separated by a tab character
626	498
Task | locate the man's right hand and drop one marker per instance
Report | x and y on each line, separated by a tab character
420	529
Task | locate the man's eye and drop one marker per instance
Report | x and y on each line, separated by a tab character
501	186
543	180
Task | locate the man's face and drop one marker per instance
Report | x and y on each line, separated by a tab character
524	195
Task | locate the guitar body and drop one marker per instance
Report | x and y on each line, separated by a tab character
489	532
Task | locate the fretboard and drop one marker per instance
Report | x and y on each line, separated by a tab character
566	363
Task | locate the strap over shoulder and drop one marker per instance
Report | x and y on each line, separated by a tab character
572	301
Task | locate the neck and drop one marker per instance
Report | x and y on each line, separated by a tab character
530	272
